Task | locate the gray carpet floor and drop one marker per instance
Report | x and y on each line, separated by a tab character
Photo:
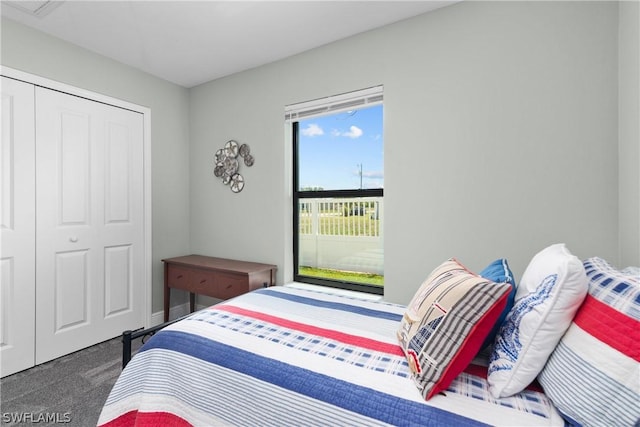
71	389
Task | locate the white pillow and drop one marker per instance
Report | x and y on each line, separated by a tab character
551	290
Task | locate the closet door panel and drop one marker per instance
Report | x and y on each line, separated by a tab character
89	222
118	175
71	290
17	228
118	280
74	165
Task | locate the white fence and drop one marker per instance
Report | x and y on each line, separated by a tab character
342	234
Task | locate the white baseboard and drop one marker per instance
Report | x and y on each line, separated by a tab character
174	313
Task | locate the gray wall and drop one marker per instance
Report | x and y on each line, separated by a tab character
629	152
501	118
37	53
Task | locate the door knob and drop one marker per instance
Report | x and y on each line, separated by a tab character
73	239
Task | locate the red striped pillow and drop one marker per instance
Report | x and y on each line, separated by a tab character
593	375
446	323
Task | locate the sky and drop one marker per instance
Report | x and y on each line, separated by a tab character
334	148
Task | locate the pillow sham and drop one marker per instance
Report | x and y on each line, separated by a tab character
593	375
552	288
498	271
446	322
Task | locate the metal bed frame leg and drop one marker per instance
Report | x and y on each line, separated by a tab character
128	336
126	347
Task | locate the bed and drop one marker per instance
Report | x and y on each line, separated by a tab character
288	356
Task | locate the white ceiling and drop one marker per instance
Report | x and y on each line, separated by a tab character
192	42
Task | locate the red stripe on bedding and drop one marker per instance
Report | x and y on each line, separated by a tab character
136	418
610	326
355	340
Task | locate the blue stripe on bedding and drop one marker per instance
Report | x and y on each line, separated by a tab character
354	398
332	305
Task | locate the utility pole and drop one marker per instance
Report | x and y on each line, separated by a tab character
360	173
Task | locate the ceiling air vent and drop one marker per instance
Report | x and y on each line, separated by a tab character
38	9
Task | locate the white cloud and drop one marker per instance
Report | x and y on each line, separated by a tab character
354	132
312	130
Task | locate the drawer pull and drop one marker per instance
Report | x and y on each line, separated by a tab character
229	286
203	281
179	277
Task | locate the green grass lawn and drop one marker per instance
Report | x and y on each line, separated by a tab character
347	276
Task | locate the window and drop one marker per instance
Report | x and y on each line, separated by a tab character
338	186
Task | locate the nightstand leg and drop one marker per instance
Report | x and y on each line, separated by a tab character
167	293
192	301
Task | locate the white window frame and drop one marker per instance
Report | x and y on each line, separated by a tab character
316	108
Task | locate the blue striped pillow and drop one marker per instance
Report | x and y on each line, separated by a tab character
593	375
498	271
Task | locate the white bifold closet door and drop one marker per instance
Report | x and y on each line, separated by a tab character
89	222
17	228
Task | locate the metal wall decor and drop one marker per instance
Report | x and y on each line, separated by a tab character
227	164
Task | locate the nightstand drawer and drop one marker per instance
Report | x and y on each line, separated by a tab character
230	286
178	277
202	282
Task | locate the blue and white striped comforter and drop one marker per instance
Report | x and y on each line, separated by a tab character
290	357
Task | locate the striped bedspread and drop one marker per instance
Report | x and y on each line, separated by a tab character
284	356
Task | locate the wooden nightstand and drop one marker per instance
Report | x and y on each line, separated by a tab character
215	277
